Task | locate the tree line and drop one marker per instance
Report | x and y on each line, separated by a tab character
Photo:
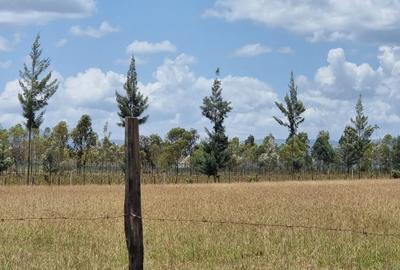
25	146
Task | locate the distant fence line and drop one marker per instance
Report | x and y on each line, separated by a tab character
112	173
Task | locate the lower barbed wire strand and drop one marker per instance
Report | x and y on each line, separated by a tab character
206	221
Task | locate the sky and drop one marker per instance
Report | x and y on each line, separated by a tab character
335	53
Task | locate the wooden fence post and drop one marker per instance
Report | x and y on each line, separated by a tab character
132	207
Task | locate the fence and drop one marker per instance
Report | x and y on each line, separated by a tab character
207	221
113	174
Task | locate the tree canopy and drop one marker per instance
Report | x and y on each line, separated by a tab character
133	103
291	110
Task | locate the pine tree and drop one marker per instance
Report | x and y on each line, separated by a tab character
396	153
295	152
347	146
363	131
133	103
216	155
250	140
37	89
293	110
322	150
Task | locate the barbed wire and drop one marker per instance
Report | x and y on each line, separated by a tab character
208	221
60	218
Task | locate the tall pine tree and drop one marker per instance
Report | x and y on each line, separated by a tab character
347	146
363	131
293	109
133	103
216	155
37	89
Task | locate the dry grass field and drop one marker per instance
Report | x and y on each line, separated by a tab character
373	206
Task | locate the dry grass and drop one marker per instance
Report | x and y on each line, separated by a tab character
360	205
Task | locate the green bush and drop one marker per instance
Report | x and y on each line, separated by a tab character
396	173
253	178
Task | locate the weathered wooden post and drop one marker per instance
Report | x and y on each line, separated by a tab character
132	207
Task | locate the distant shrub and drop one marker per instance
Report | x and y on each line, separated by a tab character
253	178
396	173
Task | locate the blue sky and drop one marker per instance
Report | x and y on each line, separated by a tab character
336	55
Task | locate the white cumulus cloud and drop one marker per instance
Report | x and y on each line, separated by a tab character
22	12
175	93
145	47
61	43
5	64
285	50
318	20
250	50
104	29
332	94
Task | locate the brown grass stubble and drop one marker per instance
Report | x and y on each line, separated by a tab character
373	206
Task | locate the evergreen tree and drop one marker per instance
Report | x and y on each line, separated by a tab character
396	153
84	139
347	146
37	89
50	163
250	140
295	152
363	131
17	137
249	153
216	154
5	154
322	150
293	109
133	103
386	153
57	145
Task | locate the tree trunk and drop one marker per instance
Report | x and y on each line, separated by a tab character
29	155
176	172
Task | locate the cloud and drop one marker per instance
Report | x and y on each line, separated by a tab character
145	47
22	12
7	45
251	50
126	61
343	79
104	29
89	92
5	64
4	44
175	93
332	94
285	50
92	87
176	90
9	97
318	20
61	43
